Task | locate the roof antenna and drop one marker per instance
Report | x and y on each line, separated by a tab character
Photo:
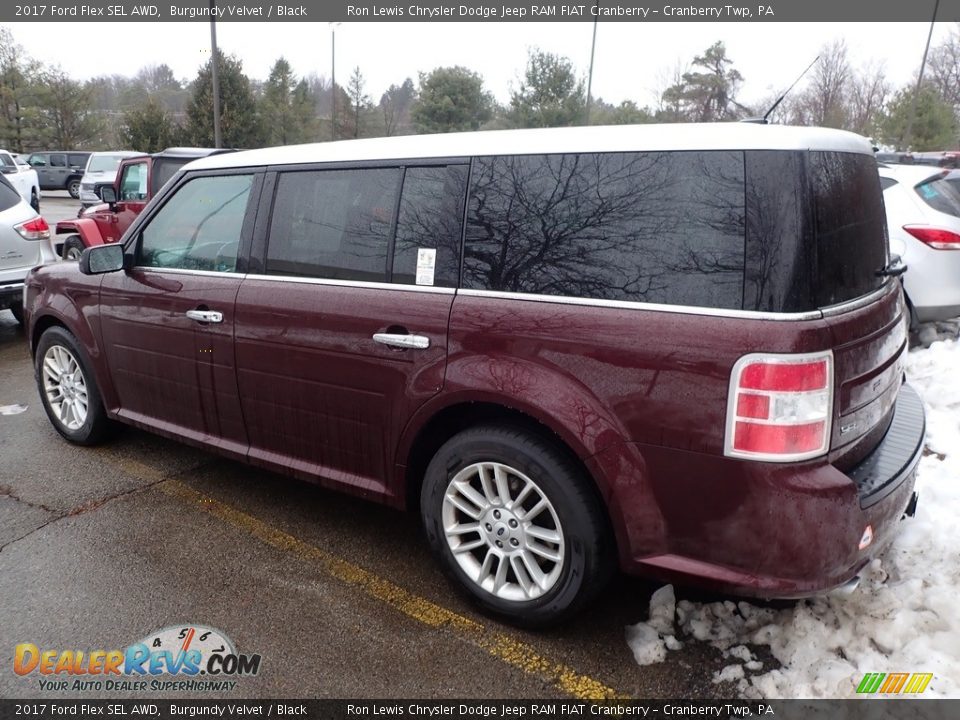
787	91
763	120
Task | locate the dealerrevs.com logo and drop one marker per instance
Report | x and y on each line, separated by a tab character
184	657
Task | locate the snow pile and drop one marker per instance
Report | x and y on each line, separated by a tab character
903	618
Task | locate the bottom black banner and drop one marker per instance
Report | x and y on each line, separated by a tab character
867	709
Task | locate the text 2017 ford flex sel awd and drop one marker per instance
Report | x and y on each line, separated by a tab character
676	349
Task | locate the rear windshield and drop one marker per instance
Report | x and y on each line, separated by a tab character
850	226
8	195
941	194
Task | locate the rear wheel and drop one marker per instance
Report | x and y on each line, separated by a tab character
69	390
516	525
73	248
17	311
73	187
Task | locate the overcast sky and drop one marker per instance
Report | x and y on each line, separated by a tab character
633	59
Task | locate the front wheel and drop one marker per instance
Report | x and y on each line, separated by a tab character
73	248
69	390
73	187
516	525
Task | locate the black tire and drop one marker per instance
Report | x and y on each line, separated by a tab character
72	248
35	200
17	310
73	187
96	426
587	556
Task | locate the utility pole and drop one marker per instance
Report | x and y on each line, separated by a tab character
333	80
593	47
217	140
916	93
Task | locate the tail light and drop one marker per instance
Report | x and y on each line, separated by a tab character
36	229
779	407
937	238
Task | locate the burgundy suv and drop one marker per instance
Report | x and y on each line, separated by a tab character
676	349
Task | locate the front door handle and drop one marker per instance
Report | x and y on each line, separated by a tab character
417	342
210	316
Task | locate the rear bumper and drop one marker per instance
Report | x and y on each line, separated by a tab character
11	293
767	530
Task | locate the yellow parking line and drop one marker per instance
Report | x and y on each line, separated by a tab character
498	644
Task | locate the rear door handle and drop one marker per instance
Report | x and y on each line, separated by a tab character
417	342
210	316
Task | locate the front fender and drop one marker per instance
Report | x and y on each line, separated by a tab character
86	228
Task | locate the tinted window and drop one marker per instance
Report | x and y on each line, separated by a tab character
333	224
8	195
199	227
886	182
164	169
428	226
654	227
7	161
133	184
780	266
941	195
37	160
850	225
58	161
77	160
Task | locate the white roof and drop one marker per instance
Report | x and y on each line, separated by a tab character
911	173
614	138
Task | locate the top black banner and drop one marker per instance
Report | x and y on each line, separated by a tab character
474	11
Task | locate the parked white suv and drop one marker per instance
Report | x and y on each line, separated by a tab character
24	244
101	168
23	178
923	217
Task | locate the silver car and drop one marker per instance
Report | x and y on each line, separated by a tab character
24	243
923	216
101	168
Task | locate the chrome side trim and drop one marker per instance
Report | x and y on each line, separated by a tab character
856	303
653	307
184	271
15	285
355	283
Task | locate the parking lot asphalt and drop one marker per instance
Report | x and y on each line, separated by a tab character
100	547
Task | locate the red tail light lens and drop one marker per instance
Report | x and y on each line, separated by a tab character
36	229
937	238
779	407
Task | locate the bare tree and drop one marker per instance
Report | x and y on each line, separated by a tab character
824	102
869	91
944	68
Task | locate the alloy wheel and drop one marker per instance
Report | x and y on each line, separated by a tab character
65	387
503	531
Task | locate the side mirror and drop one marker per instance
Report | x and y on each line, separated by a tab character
108	193
102	259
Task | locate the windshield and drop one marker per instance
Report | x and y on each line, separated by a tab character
104	163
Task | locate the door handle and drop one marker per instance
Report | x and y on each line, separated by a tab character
210	316
417	342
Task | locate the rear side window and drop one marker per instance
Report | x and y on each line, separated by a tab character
8	195
427	245
78	160
58	160
333	224
940	194
163	170
850	225
660	227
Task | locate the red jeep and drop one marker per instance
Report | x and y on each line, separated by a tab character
138	180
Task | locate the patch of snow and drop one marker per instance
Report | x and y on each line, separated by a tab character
902	618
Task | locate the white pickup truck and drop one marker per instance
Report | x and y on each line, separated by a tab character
22	177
